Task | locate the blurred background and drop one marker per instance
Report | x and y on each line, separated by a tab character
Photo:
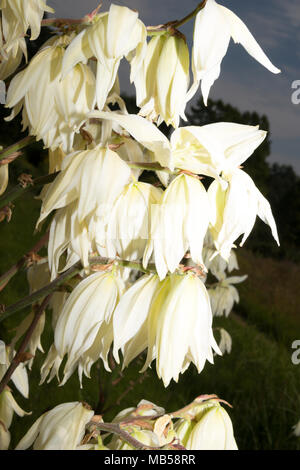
258	377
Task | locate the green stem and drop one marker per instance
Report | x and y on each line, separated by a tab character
21	189
190	15
18	356
66	276
6	277
171	25
116	429
17	146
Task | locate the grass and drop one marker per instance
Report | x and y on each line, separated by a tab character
270	296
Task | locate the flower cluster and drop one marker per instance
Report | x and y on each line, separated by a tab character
202	425
115	222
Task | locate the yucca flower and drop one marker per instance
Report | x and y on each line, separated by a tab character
214	148
178	223
296	429
16	14
19	377
224	295
61	428
17	17
144	132
10	60
215	25
218	265
88	177
162	82
84	327
8	406
233	211
114	35
128	227
3	178
172	319
210	430
53	109
225	343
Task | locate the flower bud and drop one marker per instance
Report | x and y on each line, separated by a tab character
213	430
61	428
162	82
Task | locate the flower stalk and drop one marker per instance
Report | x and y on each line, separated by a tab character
20	353
66	276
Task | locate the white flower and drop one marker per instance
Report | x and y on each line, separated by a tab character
234	210
213	148
51	365
9	406
16	14
61	428
113	35
178	223
212	431
171	318
10	60
3	178
225	344
84	327
296	429
214	26
128	227
145	132
161	85
53	109
224	295
218	265
4	437
93	177
19	377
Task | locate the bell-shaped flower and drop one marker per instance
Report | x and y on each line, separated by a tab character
171	318
211	430
11	59
215	25
233	211
178	223
88	177
130	318
3	178
225	343
9	406
18	17
4	437
218	265
213	148
114	35
68	235
19	377
162	83
86	319
51	365
144	132
61	428
54	115
128	227
224	295
296	429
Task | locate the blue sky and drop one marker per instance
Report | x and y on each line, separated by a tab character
243	82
